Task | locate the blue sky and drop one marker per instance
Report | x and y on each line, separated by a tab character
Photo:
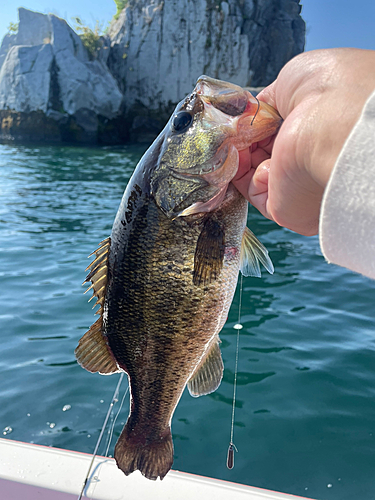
330	23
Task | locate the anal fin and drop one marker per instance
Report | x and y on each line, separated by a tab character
92	352
253	252
207	376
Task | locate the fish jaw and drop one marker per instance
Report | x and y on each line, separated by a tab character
252	127
235	108
227	97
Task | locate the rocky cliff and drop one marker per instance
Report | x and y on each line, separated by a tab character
148	61
46	72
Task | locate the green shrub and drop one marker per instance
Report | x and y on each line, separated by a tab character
13	28
90	38
120	4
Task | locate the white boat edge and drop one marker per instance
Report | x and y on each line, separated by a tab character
32	472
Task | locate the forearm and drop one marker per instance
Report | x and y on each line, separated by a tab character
347	218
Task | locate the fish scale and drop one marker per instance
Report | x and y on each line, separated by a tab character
165	278
172	320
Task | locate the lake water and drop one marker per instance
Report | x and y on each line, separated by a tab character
305	416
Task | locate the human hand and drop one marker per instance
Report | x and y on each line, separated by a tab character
320	96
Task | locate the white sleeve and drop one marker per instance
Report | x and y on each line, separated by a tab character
347	217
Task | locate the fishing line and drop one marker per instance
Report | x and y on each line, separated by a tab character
238	327
110	433
113	402
109	426
256	112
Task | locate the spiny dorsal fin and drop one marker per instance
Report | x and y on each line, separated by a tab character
253	252
98	273
207	376
92	351
209	254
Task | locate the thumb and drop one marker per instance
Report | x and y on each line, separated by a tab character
258	188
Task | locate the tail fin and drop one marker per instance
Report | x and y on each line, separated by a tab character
153	456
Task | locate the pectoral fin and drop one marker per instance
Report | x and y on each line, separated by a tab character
208	375
92	351
209	253
253	252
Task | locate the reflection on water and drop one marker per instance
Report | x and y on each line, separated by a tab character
304	414
218	396
244	378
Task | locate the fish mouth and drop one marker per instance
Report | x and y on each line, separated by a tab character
229	105
224	96
255	126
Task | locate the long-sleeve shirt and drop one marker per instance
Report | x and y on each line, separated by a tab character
347	217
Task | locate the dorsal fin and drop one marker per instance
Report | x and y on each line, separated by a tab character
253	252
208	374
92	351
98	273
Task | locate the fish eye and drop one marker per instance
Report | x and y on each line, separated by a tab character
181	121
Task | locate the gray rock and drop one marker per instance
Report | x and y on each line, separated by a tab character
64	39
159	48
33	29
87	119
51	72
277	33
6	45
104	50
57	116
86	85
25	78
145	129
83	84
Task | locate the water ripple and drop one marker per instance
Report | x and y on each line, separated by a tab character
306	379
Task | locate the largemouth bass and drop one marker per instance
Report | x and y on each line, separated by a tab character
165	278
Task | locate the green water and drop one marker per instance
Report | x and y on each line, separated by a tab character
305	417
